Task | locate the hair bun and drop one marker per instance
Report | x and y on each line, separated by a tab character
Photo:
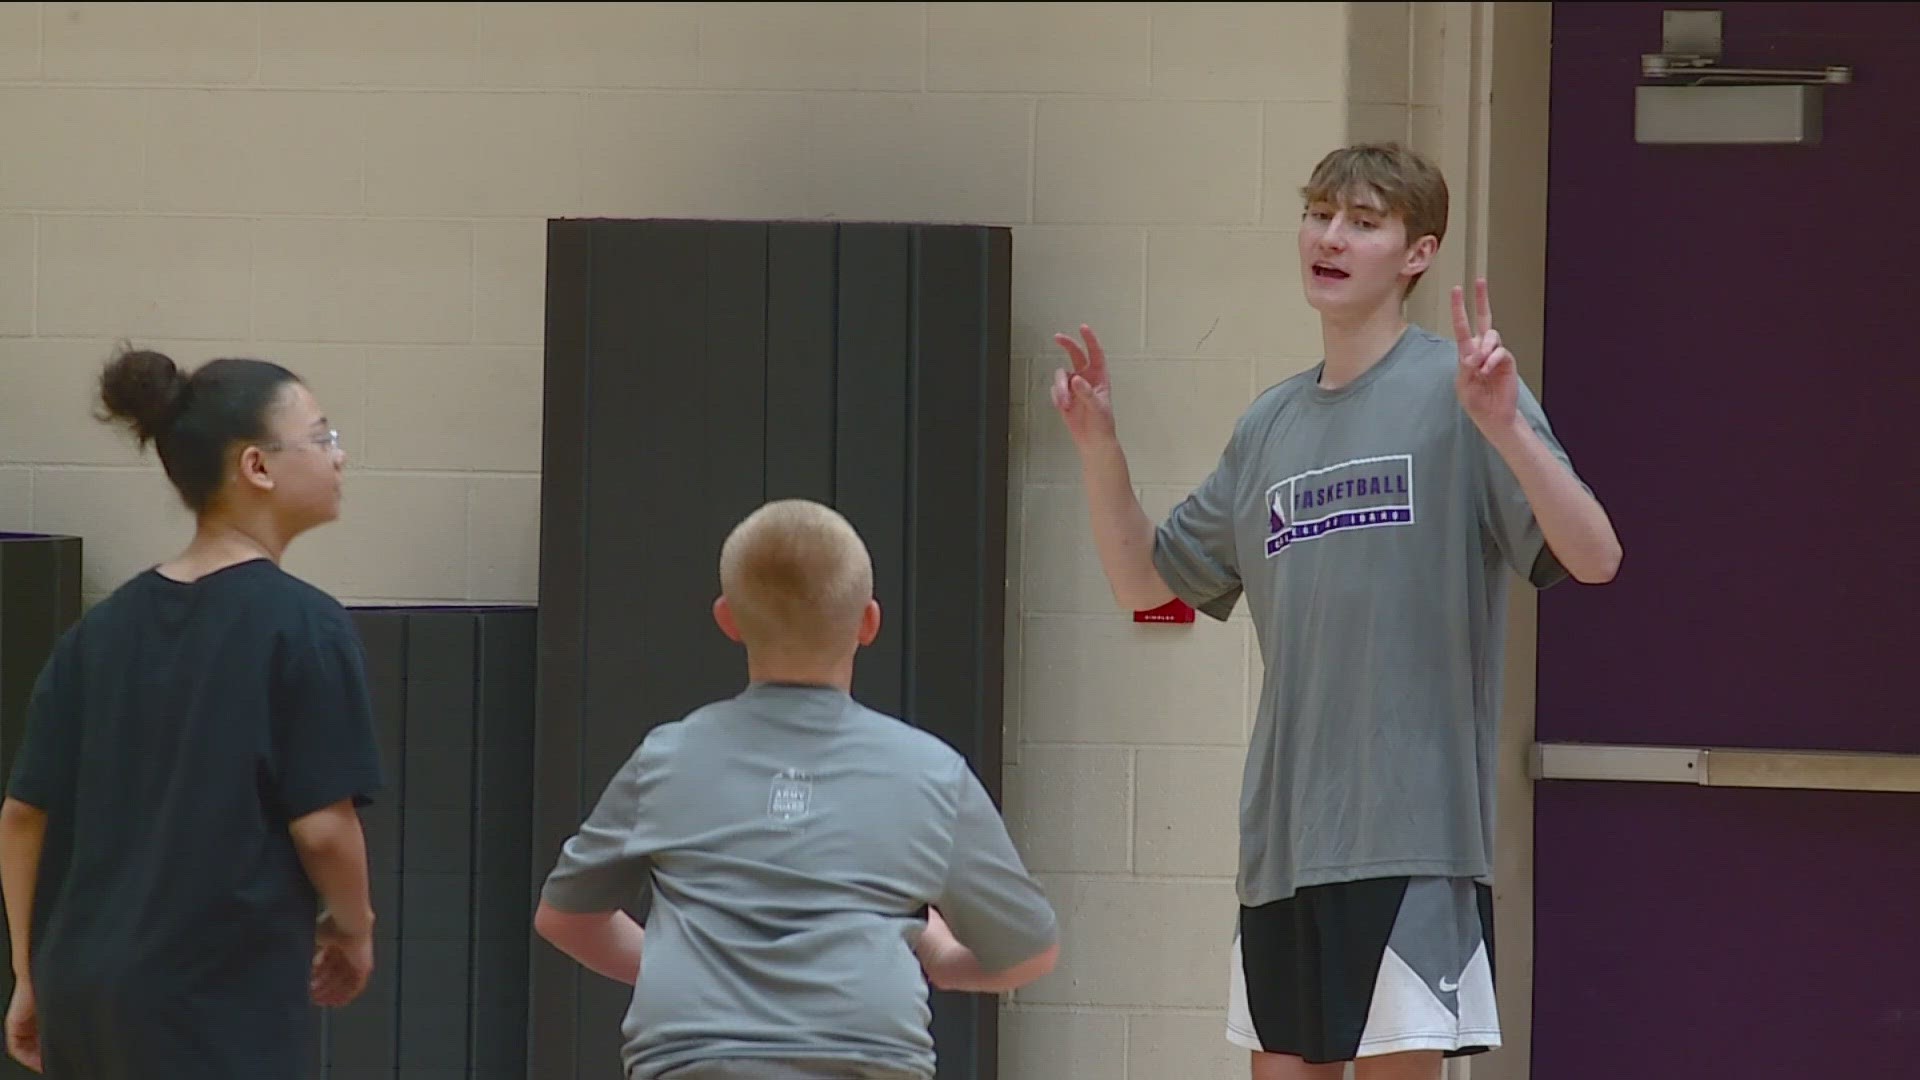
144	388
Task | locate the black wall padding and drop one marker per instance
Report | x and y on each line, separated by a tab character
449	842
695	369
39	601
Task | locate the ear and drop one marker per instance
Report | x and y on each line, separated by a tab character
723	615
870	623
253	470
1420	255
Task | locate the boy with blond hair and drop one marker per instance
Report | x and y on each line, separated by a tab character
1370	510
792	838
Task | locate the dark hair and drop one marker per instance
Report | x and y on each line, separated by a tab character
191	419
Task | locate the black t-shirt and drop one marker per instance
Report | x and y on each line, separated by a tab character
174	734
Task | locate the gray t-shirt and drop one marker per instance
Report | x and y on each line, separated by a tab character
790	836
1371	528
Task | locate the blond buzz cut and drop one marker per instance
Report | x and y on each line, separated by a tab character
797	578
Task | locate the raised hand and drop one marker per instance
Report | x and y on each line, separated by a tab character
1082	395
1487	381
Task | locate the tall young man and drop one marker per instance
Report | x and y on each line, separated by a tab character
1369	510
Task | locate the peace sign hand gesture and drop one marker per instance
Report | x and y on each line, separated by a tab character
1083	396
1487	380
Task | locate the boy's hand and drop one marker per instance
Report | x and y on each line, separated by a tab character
951	966
1084	396
342	964
937	945
1487	380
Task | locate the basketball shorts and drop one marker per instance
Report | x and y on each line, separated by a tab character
1364	968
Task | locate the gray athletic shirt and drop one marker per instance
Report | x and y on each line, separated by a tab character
1371	528
791	836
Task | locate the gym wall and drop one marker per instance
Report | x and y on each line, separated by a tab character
361	192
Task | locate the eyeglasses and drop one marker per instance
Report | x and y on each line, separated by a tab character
330	441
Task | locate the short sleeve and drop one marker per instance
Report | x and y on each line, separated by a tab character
1506	517
323	741
1193	549
49	754
603	866
992	904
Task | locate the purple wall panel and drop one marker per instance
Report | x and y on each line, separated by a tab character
1685	933
1729	362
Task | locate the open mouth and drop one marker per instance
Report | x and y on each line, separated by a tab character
1329	272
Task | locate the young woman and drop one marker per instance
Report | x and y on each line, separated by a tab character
185	874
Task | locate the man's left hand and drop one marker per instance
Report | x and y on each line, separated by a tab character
1487	380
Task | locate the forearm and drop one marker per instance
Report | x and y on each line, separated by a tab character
952	966
609	944
961	972
1575	525
23	834
1122	532
333	850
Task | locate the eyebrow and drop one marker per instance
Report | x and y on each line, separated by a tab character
1363	207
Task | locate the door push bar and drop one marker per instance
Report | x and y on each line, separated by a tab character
1738	767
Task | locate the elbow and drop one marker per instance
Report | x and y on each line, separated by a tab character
549	923
1041	966
330	832
23	828
1602	568
18	818
319	847
563	929
1028	971
1144	592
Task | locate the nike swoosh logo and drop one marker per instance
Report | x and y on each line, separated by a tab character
1448	986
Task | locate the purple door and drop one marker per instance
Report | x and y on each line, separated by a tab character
1731	358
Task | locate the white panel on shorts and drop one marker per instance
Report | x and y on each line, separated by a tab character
1240	1030
1406	1013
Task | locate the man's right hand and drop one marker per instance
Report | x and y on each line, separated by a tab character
342	964
1083	395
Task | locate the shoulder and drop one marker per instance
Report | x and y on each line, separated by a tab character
664	739
1418	384
1274	399
299	606
310	631
1266	412
652	759
302	595
121	604
67	654
908	748
1428	358
707	731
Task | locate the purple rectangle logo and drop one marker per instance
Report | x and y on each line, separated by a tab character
1366	493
